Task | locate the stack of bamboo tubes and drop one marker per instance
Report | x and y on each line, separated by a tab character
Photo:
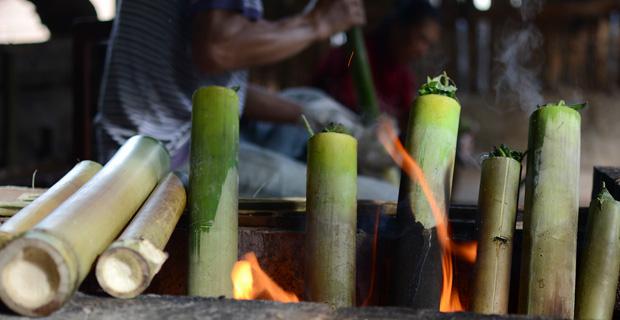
51	244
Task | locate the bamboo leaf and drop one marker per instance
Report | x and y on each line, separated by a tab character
441	85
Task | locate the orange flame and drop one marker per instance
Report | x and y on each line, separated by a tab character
450	301
251	282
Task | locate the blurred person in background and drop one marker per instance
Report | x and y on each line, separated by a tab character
162	50
405	36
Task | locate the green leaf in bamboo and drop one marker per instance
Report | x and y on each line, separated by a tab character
431	141
547	281
597	279
29	216
362	76
213	191
331	220
127	267
42	269
497	204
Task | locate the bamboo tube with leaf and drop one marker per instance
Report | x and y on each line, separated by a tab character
42	269
597	277
43	205
331	217
431	141
127	267
214	191
548	269
497	206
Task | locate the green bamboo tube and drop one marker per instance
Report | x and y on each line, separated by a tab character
331	219
599	266
40	270
431	142
547	281
362	76
497	204
30	215
127	267
213	191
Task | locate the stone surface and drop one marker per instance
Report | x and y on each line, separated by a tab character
153	307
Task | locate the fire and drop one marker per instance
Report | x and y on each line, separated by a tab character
251	282
450	301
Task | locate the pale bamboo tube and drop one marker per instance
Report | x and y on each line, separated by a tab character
548	268
30	215
40	270
127	267
497	203
597	279
331	219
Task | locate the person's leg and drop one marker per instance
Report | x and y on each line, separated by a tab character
286	139
264	173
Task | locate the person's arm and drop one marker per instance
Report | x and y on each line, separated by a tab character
225	40
263	105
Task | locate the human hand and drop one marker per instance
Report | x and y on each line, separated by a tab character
333	16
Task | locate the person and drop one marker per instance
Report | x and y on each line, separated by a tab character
404	36
160	51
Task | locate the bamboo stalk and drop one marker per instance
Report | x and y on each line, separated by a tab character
497	204
599	266
331	219
30	215
362	76
40	270
127	267
431	141
547	285
213	191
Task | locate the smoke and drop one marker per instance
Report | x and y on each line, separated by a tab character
519	62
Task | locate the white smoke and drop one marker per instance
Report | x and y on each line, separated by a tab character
519	62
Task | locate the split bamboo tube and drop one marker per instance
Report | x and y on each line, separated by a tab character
40	270
431	141
29	216
548	272
127	267
599	266
497	204
213	191
331	219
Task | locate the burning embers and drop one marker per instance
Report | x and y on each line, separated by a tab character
250	282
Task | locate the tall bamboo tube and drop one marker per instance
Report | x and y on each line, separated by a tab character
214	184
597	279
497	204
331	219
30	215
127	267
362	76
431	141
40	270
547	285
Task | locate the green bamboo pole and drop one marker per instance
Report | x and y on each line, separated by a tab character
431	141
362	76
597	279
497	204
331	219
547	285
40	270
127	267
213	191
48	201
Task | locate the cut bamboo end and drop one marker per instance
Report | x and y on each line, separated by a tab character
37	274
126	269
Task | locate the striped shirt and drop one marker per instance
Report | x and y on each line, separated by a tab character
149	76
